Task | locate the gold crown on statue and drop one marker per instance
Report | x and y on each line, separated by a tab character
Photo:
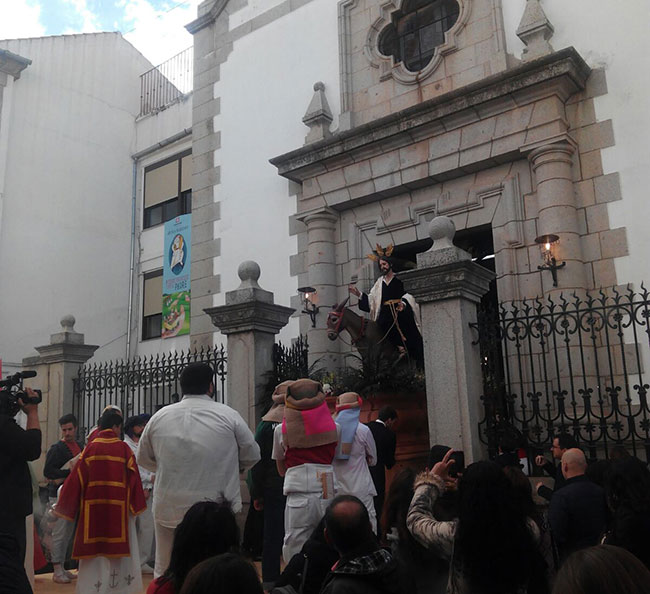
380	252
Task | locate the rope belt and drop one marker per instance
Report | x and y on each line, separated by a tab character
392	305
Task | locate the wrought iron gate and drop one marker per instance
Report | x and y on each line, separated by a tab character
576	365
141	385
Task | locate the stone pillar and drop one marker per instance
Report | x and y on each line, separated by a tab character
250	320
557	214
57	365
448	286
321	262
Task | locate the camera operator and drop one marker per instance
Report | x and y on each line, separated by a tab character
17	447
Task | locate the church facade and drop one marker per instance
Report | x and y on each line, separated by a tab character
321	129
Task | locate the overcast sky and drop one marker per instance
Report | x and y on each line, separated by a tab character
155	27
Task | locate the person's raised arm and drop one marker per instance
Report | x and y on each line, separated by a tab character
33	436
420	521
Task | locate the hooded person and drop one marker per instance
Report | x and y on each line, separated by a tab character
356	452
266	488
304	446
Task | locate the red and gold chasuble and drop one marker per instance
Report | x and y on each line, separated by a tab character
103	488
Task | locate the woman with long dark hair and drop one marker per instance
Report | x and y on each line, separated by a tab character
428	570
627	487
602	569
492	548
207	529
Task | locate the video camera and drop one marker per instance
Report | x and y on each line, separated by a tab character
12	390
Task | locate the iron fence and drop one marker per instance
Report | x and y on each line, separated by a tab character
166	83
575	365
141	385
291	362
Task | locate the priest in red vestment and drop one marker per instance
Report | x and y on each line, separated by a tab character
105	492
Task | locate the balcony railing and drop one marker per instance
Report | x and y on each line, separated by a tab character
165	84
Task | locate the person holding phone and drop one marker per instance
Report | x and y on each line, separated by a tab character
481	559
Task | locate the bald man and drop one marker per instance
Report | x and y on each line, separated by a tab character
364	567
577	512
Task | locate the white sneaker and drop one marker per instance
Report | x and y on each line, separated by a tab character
70	575
60	578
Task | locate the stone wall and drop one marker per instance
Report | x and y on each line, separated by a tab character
517	151
373	85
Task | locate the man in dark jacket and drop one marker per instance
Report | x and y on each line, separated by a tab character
578	511
58	463
383	431
364	567
17	447
560	445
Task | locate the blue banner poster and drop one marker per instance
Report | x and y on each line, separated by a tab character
176	276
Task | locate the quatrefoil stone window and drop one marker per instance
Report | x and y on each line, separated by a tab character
417	30
411	37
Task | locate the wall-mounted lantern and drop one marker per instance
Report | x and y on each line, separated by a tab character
548	244
310	299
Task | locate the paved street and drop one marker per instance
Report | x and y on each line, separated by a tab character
45	585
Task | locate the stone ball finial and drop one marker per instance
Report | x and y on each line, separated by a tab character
249	273
319	86
67	323
442	231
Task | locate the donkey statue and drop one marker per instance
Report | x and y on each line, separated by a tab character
365	335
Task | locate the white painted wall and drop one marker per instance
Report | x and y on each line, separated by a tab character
265	88
154	128
252	9
613	36
65	228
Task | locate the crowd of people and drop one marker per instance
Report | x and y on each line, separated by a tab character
161	495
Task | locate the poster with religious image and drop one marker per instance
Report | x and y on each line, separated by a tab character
176	277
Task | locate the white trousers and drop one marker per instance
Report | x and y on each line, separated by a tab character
144	525
301	516
309	489
164	542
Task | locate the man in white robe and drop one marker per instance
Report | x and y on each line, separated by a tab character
197	448
355	453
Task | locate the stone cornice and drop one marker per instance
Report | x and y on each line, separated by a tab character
12	64
63	353
565	69
250	316
464	279
208	18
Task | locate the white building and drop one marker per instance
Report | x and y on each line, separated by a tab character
75	139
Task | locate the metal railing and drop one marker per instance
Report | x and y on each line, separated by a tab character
291	362
141	385
163	85
575	365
